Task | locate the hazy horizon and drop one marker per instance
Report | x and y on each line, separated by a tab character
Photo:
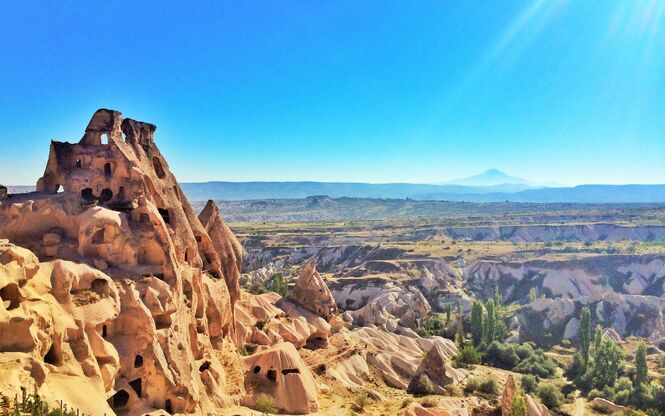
347	92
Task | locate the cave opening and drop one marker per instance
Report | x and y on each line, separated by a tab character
204	366
119	400
106	195
136	386
290	371
271	375
138	361
11	298
52	357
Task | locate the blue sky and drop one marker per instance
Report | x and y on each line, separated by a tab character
554	91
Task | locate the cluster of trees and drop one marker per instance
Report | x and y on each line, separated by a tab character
602	374
487	332
277	283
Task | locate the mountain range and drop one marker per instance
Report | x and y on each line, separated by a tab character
490	186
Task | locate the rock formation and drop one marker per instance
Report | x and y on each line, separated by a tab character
280	373
312	293
508	396
123	306
434	374
226	246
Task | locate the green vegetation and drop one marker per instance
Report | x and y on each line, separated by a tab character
518	406
489	333
361	401
278	284
520	358
529	384
585	335
264	404
486	386
467	356
533	295
477	323
34	405
550	395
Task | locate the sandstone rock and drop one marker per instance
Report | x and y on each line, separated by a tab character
280	373
434	374
534	408
226	245
606	406
416	409
144	333
508	396
401	307
312	293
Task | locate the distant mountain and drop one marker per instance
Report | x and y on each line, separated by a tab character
237	191
492	177
577	194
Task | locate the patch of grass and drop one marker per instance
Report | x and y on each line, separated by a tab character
265	404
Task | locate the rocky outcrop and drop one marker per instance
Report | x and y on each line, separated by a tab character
123	306
534	233
280	373
395	311
606	406
397	357
226	246
509	392
312	293
435	373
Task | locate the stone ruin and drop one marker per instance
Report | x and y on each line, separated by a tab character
124	306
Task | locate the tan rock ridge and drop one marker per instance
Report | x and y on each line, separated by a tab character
123	307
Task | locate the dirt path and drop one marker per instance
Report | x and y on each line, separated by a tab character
579	404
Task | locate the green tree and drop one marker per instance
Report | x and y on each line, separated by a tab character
449	311
585	334
477	323
278	284
641	369
497	296
490	322
533	295
607	362
518	406
459	310
597	338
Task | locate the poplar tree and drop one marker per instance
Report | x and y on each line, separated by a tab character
477	323
585	334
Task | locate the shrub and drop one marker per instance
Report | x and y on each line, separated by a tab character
488	386
520	358
278	284
467	356
264	404
518	406
471	385
550	395
424	385
530	384
361	401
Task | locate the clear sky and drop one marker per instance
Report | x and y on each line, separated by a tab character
369	91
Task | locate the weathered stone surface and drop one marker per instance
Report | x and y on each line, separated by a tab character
606	406
312	293
280	373
508	396
132	311
434	373
226	245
